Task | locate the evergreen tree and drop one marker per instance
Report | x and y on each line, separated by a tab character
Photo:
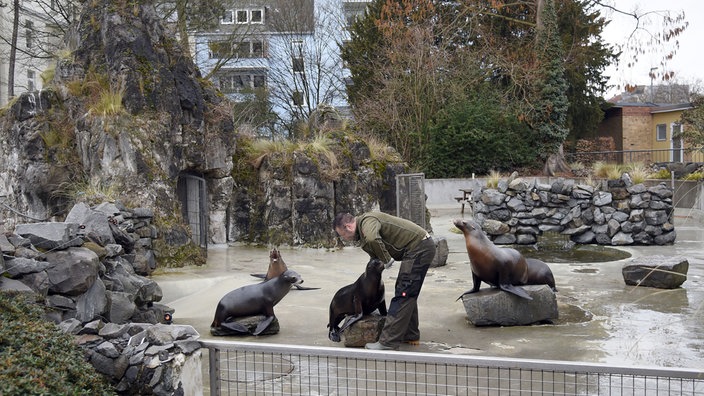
551	109
586	57
362	51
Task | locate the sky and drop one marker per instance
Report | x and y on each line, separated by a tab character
688	62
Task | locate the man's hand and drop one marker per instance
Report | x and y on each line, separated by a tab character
389	264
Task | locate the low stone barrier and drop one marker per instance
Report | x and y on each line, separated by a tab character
617	212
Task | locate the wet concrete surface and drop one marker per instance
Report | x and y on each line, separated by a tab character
602	320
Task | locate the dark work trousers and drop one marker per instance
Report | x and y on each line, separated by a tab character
402	319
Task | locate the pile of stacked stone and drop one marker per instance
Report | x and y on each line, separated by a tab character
617	212
91	272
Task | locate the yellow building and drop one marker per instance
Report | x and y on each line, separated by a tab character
648	132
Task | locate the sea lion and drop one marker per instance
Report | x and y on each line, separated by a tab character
505	268
360	298
277	266
250	300
539	273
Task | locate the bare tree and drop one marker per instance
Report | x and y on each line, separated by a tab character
307	70
46	24
13	49
653	32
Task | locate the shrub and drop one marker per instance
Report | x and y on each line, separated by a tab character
492	180
661	174
36	358
476	136
637	171
695	176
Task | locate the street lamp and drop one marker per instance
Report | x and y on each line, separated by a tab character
652	77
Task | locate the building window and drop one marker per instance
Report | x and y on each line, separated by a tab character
258	49
297	56
242	16
249	49
29	33
247	16
661	132
676	131
31	86
228	18
257	16
242	80
219	49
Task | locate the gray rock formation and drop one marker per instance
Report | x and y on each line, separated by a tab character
143	359
664	272
494	307
172	128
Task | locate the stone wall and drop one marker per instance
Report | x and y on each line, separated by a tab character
91	272
617	212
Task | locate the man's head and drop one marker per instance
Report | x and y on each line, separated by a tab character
345	226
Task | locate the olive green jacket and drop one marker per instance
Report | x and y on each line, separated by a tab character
384	236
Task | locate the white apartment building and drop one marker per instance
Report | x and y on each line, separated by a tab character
291	48
34	43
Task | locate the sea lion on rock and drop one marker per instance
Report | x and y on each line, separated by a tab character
539	273
277	266
250	300
505	268
360	298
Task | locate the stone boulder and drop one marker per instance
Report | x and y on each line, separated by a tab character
441	253
73	270
49	236
664	272
367	329
494	307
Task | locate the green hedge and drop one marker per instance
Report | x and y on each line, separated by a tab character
37	358
476	136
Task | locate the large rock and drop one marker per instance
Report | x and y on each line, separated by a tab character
95	223
73	270
494	307
441	253
363	331
664	272
93	303
49	236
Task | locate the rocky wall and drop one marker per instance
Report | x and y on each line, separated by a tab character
616	212
91	272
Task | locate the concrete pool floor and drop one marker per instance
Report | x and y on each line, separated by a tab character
602	320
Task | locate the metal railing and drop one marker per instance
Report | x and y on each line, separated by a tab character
244	368
635	156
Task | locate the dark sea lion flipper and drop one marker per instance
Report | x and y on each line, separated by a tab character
349	320
334	336
299	287
260	276
517	290
465	293
235	327
382	308
263	325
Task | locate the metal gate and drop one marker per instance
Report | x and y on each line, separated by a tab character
192	193
410	197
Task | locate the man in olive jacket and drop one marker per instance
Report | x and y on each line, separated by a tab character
390	238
